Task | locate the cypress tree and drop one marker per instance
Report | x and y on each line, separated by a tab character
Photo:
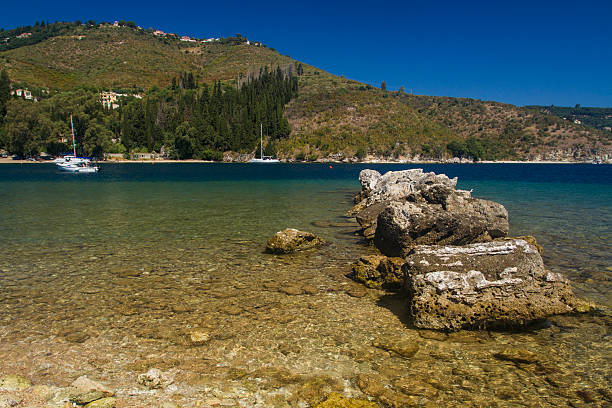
5	92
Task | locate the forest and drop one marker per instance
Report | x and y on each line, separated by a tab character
183	121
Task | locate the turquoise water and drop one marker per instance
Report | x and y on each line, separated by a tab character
94	259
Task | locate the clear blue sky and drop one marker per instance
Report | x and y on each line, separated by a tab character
536	52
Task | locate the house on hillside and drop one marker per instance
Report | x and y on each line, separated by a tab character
23	93
576	121
24	35
187	38
109	99
159	32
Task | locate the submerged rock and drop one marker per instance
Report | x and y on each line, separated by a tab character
291	240
14	383
403	347
495	284
335	400
108	402
154	378
378	271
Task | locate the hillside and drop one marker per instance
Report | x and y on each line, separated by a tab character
331	118
599	118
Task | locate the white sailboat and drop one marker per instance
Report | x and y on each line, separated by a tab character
263	159
72	163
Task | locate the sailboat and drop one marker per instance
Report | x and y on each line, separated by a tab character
263	159
72	163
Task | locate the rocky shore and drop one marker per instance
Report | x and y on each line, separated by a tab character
458	268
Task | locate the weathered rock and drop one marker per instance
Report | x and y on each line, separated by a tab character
402	209
291	240
14	383
378	271
335	400
402	226
368	216
153	379
494	284
368	179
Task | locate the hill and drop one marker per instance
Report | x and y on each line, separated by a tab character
331	117
599	118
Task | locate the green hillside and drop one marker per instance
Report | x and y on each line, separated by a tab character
331	117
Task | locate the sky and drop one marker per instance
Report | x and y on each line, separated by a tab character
520	52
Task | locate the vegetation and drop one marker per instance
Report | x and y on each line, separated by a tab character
599	118
185	123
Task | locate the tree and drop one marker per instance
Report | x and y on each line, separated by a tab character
401	90
5	92
383	86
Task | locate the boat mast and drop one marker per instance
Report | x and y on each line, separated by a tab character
261	138
73	144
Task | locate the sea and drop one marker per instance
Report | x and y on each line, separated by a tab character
162	265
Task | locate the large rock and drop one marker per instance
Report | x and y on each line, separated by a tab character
463	220
494	284
291	240
379	271
402	209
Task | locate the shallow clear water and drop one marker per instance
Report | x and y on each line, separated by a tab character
123	265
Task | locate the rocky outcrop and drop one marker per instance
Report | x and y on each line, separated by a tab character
291	240
402	209
463	220
494	284
379	271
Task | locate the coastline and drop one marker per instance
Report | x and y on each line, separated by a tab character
166	161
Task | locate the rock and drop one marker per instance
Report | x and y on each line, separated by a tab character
404	347
108	402
198	337
291	290
14	383
518	356
371	384
84	384
495	284
368	216
153	379
413	386
356	291
417	208
291	240
86	398
402	226
368	179
335	400
378	271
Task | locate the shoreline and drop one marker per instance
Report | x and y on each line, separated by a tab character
166	161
